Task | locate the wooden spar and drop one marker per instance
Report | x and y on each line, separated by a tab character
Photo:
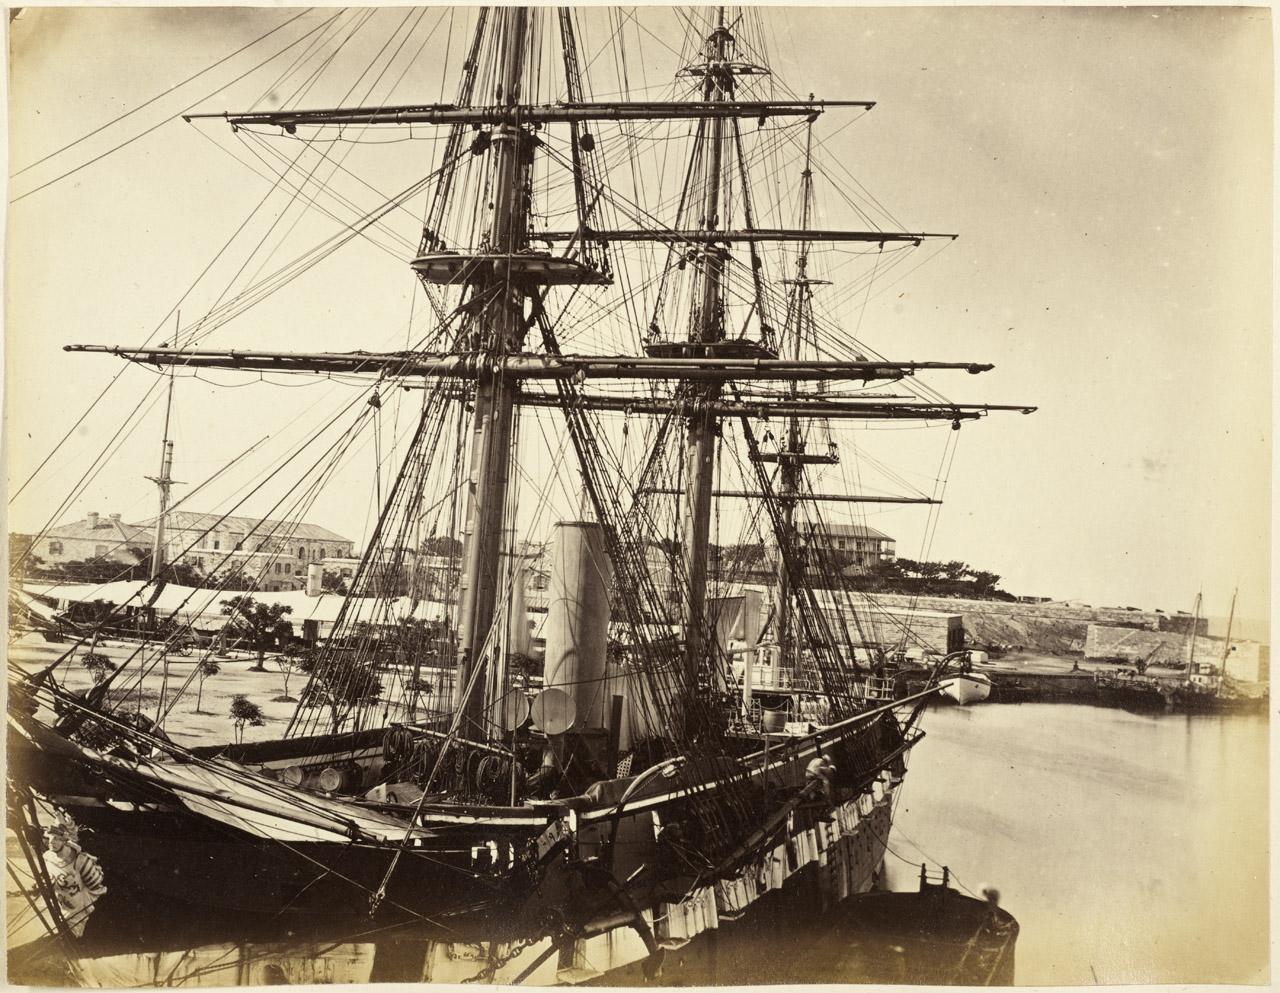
765	409
515	114
799	497
525	365
1191	645
702	428
753	235
502	330
1226	645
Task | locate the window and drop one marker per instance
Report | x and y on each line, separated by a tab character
237	540
302	551
277	569
55	548
215	544
322	554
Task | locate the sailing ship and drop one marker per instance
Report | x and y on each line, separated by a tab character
1207	687
1203	687
632	797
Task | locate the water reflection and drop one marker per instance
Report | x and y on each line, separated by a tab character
1132	847
931	936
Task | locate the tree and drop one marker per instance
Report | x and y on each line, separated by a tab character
984	581
107	569
208	666
180	573
233	581
338	682
288	665
442	545
262	623
95	570
21	545
887	569
245	712
97	665
333	582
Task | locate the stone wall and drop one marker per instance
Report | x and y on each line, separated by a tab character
1247	660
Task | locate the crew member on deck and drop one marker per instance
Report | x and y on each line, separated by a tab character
818	777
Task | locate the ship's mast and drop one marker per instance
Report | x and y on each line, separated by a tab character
1191	643
502	331
1226	644
703	426
790	458
501	274
164	482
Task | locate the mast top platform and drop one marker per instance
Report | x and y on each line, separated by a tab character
538	268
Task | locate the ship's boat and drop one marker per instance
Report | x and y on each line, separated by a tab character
967	687
632	791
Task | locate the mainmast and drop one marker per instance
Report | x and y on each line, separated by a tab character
502	330
708	327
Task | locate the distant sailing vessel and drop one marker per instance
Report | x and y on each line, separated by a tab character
634	795
1207	687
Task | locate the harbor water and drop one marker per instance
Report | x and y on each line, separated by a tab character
1132	848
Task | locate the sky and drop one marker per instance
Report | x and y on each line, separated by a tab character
1108	171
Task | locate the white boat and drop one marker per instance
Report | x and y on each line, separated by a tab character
967	687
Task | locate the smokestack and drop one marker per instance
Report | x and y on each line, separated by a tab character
577	624
93	520
315	578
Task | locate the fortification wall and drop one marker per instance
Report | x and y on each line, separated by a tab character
1247	660
1048	628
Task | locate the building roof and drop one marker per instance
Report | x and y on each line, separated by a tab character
107	529
189	520
849	531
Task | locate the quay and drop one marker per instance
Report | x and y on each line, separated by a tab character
1020	678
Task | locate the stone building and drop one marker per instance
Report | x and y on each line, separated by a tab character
276	552
96	537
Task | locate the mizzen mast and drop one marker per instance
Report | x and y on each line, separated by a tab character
791	457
